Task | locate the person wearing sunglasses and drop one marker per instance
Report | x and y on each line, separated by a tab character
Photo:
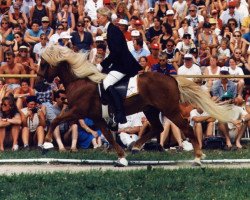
10	122
18	42
237	42
56	36
40	47
45	27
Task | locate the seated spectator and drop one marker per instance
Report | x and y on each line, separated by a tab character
65	40
66	14
223	52
173	54
143	61
38	11
135	35
128	132
81	40
180	7
46	28
40	47
212	69
189	68
166	35
223	88
168	126
139	50
163	66
201	123
63	132
173	22
27	62
237	42
88	134
34	122
17	14
18	42
21	93
123	26
204	54
89	27
3	88
100	43
235	70
153	57
12	68
32	36
56	36
186	28
155	31
10	122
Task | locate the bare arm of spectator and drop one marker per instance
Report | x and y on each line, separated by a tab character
28	38
42	119
73	22
16	120
31	13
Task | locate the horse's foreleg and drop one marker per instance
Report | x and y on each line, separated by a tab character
65	116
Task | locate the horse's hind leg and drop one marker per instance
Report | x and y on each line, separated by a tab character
152	115
184	126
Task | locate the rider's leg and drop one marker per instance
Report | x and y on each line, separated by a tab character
112	78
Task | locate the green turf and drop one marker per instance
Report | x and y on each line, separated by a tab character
140	184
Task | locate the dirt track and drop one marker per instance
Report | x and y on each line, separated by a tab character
49	168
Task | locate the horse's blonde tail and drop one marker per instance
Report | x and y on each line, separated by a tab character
192	93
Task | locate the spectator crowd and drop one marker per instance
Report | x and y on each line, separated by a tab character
184	37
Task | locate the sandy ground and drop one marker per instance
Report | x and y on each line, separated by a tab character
10	169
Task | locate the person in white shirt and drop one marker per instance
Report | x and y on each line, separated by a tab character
91	7
54	38
235	70
128	132
134	35
180	7
40	47
189	68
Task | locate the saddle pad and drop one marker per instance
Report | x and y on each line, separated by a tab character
132	86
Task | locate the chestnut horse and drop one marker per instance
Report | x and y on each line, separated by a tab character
156	93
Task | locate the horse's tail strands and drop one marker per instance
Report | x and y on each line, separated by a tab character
192	93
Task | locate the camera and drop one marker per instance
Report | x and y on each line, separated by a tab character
34	110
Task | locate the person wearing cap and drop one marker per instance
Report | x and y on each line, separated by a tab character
215	27
185	45
93	55
38	11
65	40
33	123
135	34
82	40
153	58
45	27
28	63
32	36
172	21
14	16
231	13
123	26
119	63
189	68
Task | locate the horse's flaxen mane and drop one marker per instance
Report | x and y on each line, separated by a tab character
81	67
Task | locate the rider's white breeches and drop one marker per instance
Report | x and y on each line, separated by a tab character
112	78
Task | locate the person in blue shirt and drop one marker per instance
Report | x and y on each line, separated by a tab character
163	66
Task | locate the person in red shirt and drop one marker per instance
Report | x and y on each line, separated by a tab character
153	57
123	26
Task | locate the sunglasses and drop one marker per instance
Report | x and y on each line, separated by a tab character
16	37
237	52
231	7
3	104
192	10
80	26
59	28
45	22
162	60
237	35
187	37
64	22
233	24
25	51
43	38
86	21
4	23
170	45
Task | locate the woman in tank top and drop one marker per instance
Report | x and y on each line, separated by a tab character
38	12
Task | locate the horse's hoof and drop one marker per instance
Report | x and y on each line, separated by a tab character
130	146
121	162
197	162
203	156
135	150
48	145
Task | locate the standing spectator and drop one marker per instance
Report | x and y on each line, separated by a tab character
81	40
189	68
38	11
33	121
10	120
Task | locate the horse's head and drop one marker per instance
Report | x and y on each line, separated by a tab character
46	72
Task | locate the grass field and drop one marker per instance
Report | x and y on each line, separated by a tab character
141	184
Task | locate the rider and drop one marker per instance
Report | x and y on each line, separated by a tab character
118	64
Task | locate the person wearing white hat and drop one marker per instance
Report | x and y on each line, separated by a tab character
123	26
189	68
118	64
65	39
